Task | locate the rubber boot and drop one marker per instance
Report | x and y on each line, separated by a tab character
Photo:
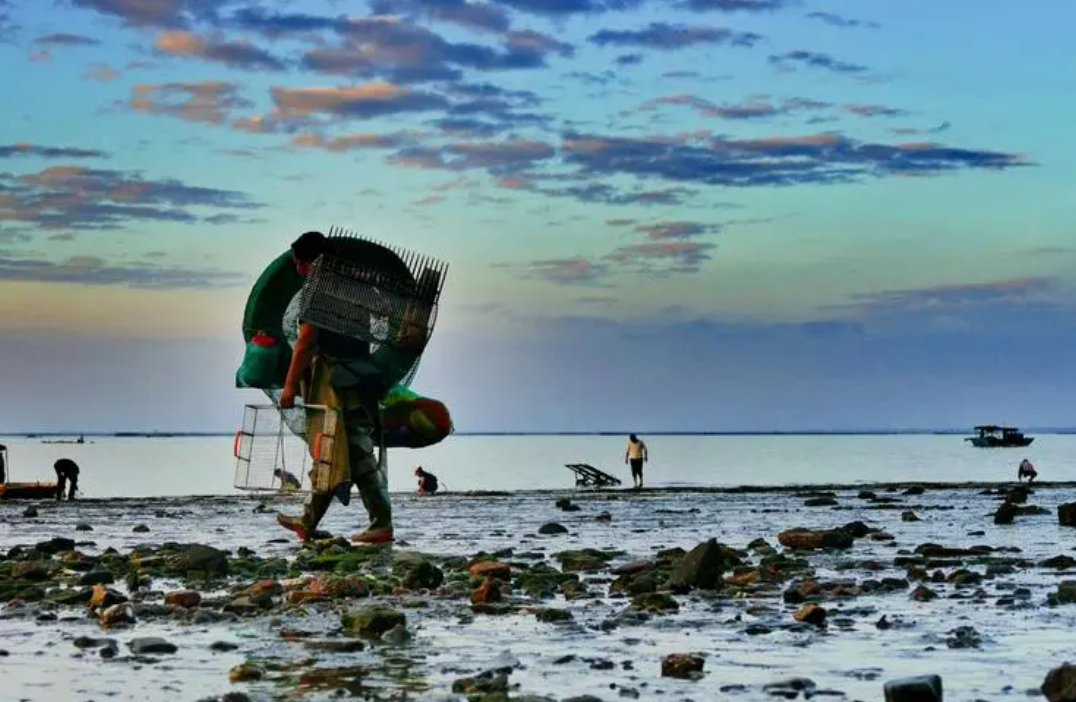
375	498
313	512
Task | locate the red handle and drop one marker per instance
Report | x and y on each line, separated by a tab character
235	444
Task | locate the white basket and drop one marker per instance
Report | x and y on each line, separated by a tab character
267	451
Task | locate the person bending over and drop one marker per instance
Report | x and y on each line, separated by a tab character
288	481
427	482
1026	470
66	475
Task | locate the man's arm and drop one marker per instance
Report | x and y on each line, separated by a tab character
646	452
300	359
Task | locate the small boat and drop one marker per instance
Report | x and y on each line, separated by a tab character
27	491
21	491
994	436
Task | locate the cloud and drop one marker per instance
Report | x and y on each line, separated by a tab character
1011	290
757	108
737	5
102	73
663	257
484	16
501	158
364	101
813	59
628	60
237	54
352	142
664	231
23	148
74	197
867	110
839	21
562	8
567	271
389	48
92	270
776	161
602	193
62	39
207	101
159	14
8	28
669	37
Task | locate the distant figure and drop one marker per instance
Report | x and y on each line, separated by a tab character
1026	470
427	482
288	481
3	465
637	456
66	472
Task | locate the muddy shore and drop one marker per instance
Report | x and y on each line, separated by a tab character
483	598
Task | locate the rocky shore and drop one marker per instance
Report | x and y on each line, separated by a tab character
906	592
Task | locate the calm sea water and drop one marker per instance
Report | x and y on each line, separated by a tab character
139	467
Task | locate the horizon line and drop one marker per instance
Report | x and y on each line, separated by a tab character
597	432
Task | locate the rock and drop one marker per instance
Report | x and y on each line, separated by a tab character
790	689
29	512
55	545
908	516
141	529
655	602
245	672
811	614
421	575
117	615
1017	495
1066	592
83	527
397	635
810	539
550	615
490	681
1005	513
686	666
857	529
566	505
920	688
372	621
1060	684
491	569
820	502
923	594
1061	562
223	646
146	645
552	528
1066	514
604	517
105	597
488	592
97	577
963	637
183	598
701	568
198	558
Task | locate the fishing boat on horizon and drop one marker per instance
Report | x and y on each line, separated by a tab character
995	436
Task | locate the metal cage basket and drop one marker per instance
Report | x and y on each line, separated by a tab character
273	457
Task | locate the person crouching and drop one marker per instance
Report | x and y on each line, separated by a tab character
427	482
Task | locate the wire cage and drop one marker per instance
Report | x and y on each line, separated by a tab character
380	294
274	455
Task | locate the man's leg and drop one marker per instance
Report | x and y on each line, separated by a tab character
72	488
366	474
60	485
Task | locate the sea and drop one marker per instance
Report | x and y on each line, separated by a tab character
114	467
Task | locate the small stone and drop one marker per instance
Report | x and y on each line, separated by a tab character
811	614
141	529
151	644
686	666
920	688
552	528
245	672
1060	684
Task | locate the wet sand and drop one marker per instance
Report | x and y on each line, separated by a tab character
607	645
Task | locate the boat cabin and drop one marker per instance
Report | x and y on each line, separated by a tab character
997	436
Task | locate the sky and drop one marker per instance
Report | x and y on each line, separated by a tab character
659	215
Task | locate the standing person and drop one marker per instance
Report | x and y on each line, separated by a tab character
1026	470
66	472
637	456
3	466
427	482
335	370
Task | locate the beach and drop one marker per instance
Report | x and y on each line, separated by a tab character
481	596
